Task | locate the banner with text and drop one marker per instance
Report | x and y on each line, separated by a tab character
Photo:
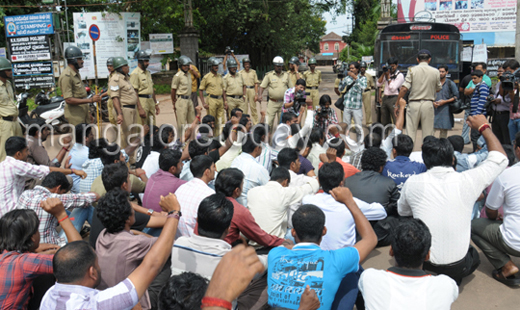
33	48
119	37
28	25
161	43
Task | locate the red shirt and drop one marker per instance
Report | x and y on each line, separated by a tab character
347	168
17	272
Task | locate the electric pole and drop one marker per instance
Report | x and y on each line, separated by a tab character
517	37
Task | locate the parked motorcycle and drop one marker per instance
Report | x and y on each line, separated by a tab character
52	110
23	117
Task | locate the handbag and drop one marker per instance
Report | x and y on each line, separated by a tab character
458	105
340	103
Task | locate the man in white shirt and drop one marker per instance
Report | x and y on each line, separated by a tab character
341	230
255	174
407	286
192	193
500	239
317	138
444	200
269	204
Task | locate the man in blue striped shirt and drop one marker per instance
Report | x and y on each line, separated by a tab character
478	101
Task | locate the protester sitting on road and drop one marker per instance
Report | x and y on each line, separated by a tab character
412	288
79	153
183	291
334	154
162	140
37	153
23	260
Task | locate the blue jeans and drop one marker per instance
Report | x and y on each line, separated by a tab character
514	127
154	232
347	291
78	217
465	128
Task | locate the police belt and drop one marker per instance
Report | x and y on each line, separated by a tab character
390	97
130	106
8	118
276	100
236	97
145	96
313	87
368	89
250	87
215	97
183	97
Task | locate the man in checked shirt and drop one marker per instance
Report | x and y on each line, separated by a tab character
352	87
54	185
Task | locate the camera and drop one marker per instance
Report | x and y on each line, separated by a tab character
228	50
300	96
509	79
323	112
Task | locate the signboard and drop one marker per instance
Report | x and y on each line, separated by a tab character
161	43
467	53
33	48
491	20
480	53
28	25
123	39
493	65
94	32
2	52
367	59
32	68
44	81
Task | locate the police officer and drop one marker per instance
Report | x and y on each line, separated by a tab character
141	79
181	94
251	83
234	88
313	79
110	103
367	93
9	125
277	82
294	75
125	99
213	84
73	90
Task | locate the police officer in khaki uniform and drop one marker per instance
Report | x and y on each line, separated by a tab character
73	90
294	74
110	103
181	94
367	93
251	83
277	82
125	100
9	125
141	79
424	82
313	79
234	88
213	84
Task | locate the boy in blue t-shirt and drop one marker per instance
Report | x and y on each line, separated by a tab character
291	271
480	94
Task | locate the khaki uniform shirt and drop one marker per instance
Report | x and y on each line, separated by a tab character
142	81
213	84
234	85
193	78
370	81
423	82
293	79
312	79
182	83
7	103
121	88
250	78
336	83
276	84
71	85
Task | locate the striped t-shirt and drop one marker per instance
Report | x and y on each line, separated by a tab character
479	98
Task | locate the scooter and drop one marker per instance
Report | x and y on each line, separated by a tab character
52	110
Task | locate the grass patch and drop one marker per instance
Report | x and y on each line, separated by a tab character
162	89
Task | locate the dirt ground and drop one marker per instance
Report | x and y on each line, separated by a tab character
478	291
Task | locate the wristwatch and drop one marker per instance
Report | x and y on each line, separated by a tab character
150	212
175	214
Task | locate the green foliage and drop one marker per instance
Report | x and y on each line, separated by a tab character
356	52
162	89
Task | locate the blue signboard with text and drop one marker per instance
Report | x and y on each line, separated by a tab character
28	25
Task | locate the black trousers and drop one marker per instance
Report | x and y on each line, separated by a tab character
499	126
457	270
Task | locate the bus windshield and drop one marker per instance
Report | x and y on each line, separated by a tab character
443	52
405	51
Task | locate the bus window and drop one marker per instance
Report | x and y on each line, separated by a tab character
405	51
443	52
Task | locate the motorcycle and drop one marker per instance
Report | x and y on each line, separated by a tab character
23	116
103	105
52	110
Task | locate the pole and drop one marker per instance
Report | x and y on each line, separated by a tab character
517	37
96	73
67	21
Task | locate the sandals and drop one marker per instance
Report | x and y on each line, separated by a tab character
510	281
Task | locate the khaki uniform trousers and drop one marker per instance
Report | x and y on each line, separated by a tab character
112	115
77	114
420	111
250	101
149	108
8	129
130	117
216	109
236	103
274	110
367	106
185	114
315	96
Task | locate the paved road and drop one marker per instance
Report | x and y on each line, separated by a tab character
478	291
